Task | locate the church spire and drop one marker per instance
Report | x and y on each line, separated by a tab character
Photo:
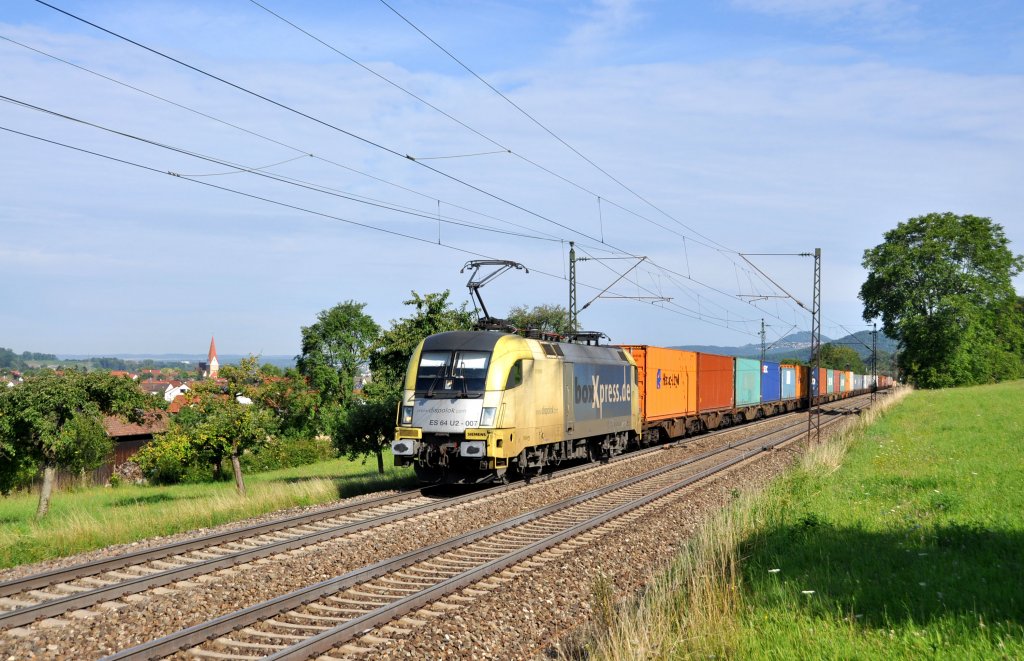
211	360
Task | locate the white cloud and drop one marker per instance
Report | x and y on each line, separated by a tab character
828	9
604	21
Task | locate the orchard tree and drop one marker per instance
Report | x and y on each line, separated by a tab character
55	421
333	348
365	429
942	285
217	422
291	401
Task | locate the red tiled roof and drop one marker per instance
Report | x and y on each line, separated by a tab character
178	403
155	423
213	351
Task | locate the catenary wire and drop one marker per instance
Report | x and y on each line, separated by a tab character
257	171
547	130
721	247
503	148
261	136
322	122
317	120
304	210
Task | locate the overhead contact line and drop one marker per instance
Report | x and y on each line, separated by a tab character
377	144
721	247
302	152
322	122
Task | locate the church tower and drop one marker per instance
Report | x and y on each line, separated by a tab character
213	365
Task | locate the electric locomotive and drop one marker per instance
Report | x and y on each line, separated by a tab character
483	406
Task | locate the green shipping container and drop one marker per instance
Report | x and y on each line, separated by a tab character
748	382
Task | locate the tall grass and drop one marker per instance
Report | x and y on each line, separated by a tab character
92	518
696	608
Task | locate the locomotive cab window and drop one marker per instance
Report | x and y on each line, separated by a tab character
452	373
515	375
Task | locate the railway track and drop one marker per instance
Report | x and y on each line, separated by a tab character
52	594
317	619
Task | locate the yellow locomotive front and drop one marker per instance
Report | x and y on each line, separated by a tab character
482	406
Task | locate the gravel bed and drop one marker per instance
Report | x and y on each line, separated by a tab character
20	571
117	625
539	612
532	611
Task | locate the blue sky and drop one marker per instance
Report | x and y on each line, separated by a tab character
752	126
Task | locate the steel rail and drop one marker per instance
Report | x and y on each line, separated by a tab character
59	605
225	624
326	641
62	575
53	607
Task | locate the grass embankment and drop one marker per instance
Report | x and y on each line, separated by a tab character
903	539
92	518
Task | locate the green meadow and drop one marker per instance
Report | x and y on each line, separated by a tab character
903	538
86	519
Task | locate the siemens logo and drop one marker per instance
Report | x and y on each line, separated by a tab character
597	394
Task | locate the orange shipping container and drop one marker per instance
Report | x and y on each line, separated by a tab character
667	380
849	382
714	382
802	375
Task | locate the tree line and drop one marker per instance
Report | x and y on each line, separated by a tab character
13	361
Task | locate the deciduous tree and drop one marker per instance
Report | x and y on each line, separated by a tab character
219	421
834	356
365	429
333	348
942	284
55	421
547	318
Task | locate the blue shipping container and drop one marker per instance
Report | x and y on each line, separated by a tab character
748	382
771	382
788	377
842	382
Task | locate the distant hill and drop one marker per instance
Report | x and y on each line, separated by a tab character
798	345
178	359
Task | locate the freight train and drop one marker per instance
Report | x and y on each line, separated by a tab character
483	406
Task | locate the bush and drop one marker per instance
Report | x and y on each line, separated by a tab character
289	451
166	459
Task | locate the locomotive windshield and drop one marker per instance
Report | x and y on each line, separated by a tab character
452	373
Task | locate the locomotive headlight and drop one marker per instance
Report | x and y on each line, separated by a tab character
406	415
487	416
